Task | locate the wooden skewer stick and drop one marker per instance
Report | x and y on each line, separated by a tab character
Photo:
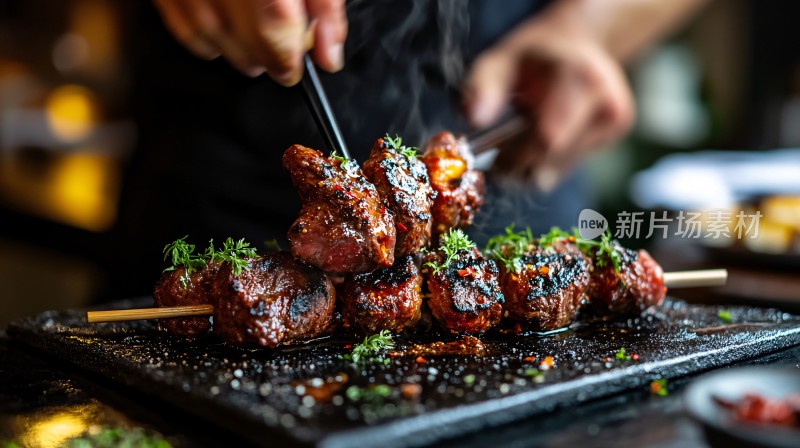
679	279
149	313
694	279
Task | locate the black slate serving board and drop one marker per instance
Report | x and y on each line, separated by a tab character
263	395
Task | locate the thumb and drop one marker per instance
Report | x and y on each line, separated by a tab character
488	87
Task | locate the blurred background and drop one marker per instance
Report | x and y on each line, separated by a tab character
728	81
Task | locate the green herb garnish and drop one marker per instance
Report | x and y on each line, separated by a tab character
182	254
452	242
272	246
533	372
118	437
374	394
725	316
469	380
555	234
659	387
396	143
622	356
606	250
511	247
234	252
345	164
603	252
371	348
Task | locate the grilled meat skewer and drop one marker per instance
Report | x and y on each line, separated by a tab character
402	182
385	299
464	294
636	285
459	188
179	287
546	289
343	226
275	300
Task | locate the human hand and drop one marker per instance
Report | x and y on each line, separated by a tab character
258	36
572	91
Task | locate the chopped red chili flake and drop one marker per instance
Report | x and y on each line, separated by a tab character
635	356
529	359
401	227
348	346
421	360
469	271
341	189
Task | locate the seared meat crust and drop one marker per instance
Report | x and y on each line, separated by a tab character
385	299
403	184
465	296
175	288
343	226
278	300
459	189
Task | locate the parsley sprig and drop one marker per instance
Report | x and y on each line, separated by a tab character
182	254
234	252
603	252
347	165
371	348
452	242
511	247
396	143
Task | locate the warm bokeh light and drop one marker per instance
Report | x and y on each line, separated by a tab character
53	431
80	187
71	112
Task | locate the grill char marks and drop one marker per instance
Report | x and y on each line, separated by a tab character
547	290
465	296
638	286
172	290
459	189
385	299
403	184
343	226
278	300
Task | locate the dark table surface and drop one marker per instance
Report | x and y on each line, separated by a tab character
37	393
43	400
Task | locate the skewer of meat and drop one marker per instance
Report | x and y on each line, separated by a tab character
459	188
544	288
274	300
267	300
186	283
343	226
385	299
402	182
547	281
463	287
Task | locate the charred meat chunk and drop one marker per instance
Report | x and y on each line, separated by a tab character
546	289
635	284
179	288
276	299
464	296
385	299
343	226
402	182
459	189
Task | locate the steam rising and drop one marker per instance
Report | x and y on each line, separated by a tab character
424	42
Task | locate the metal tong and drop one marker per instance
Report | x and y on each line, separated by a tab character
485	140
317	101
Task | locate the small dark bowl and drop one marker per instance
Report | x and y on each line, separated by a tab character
720	427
